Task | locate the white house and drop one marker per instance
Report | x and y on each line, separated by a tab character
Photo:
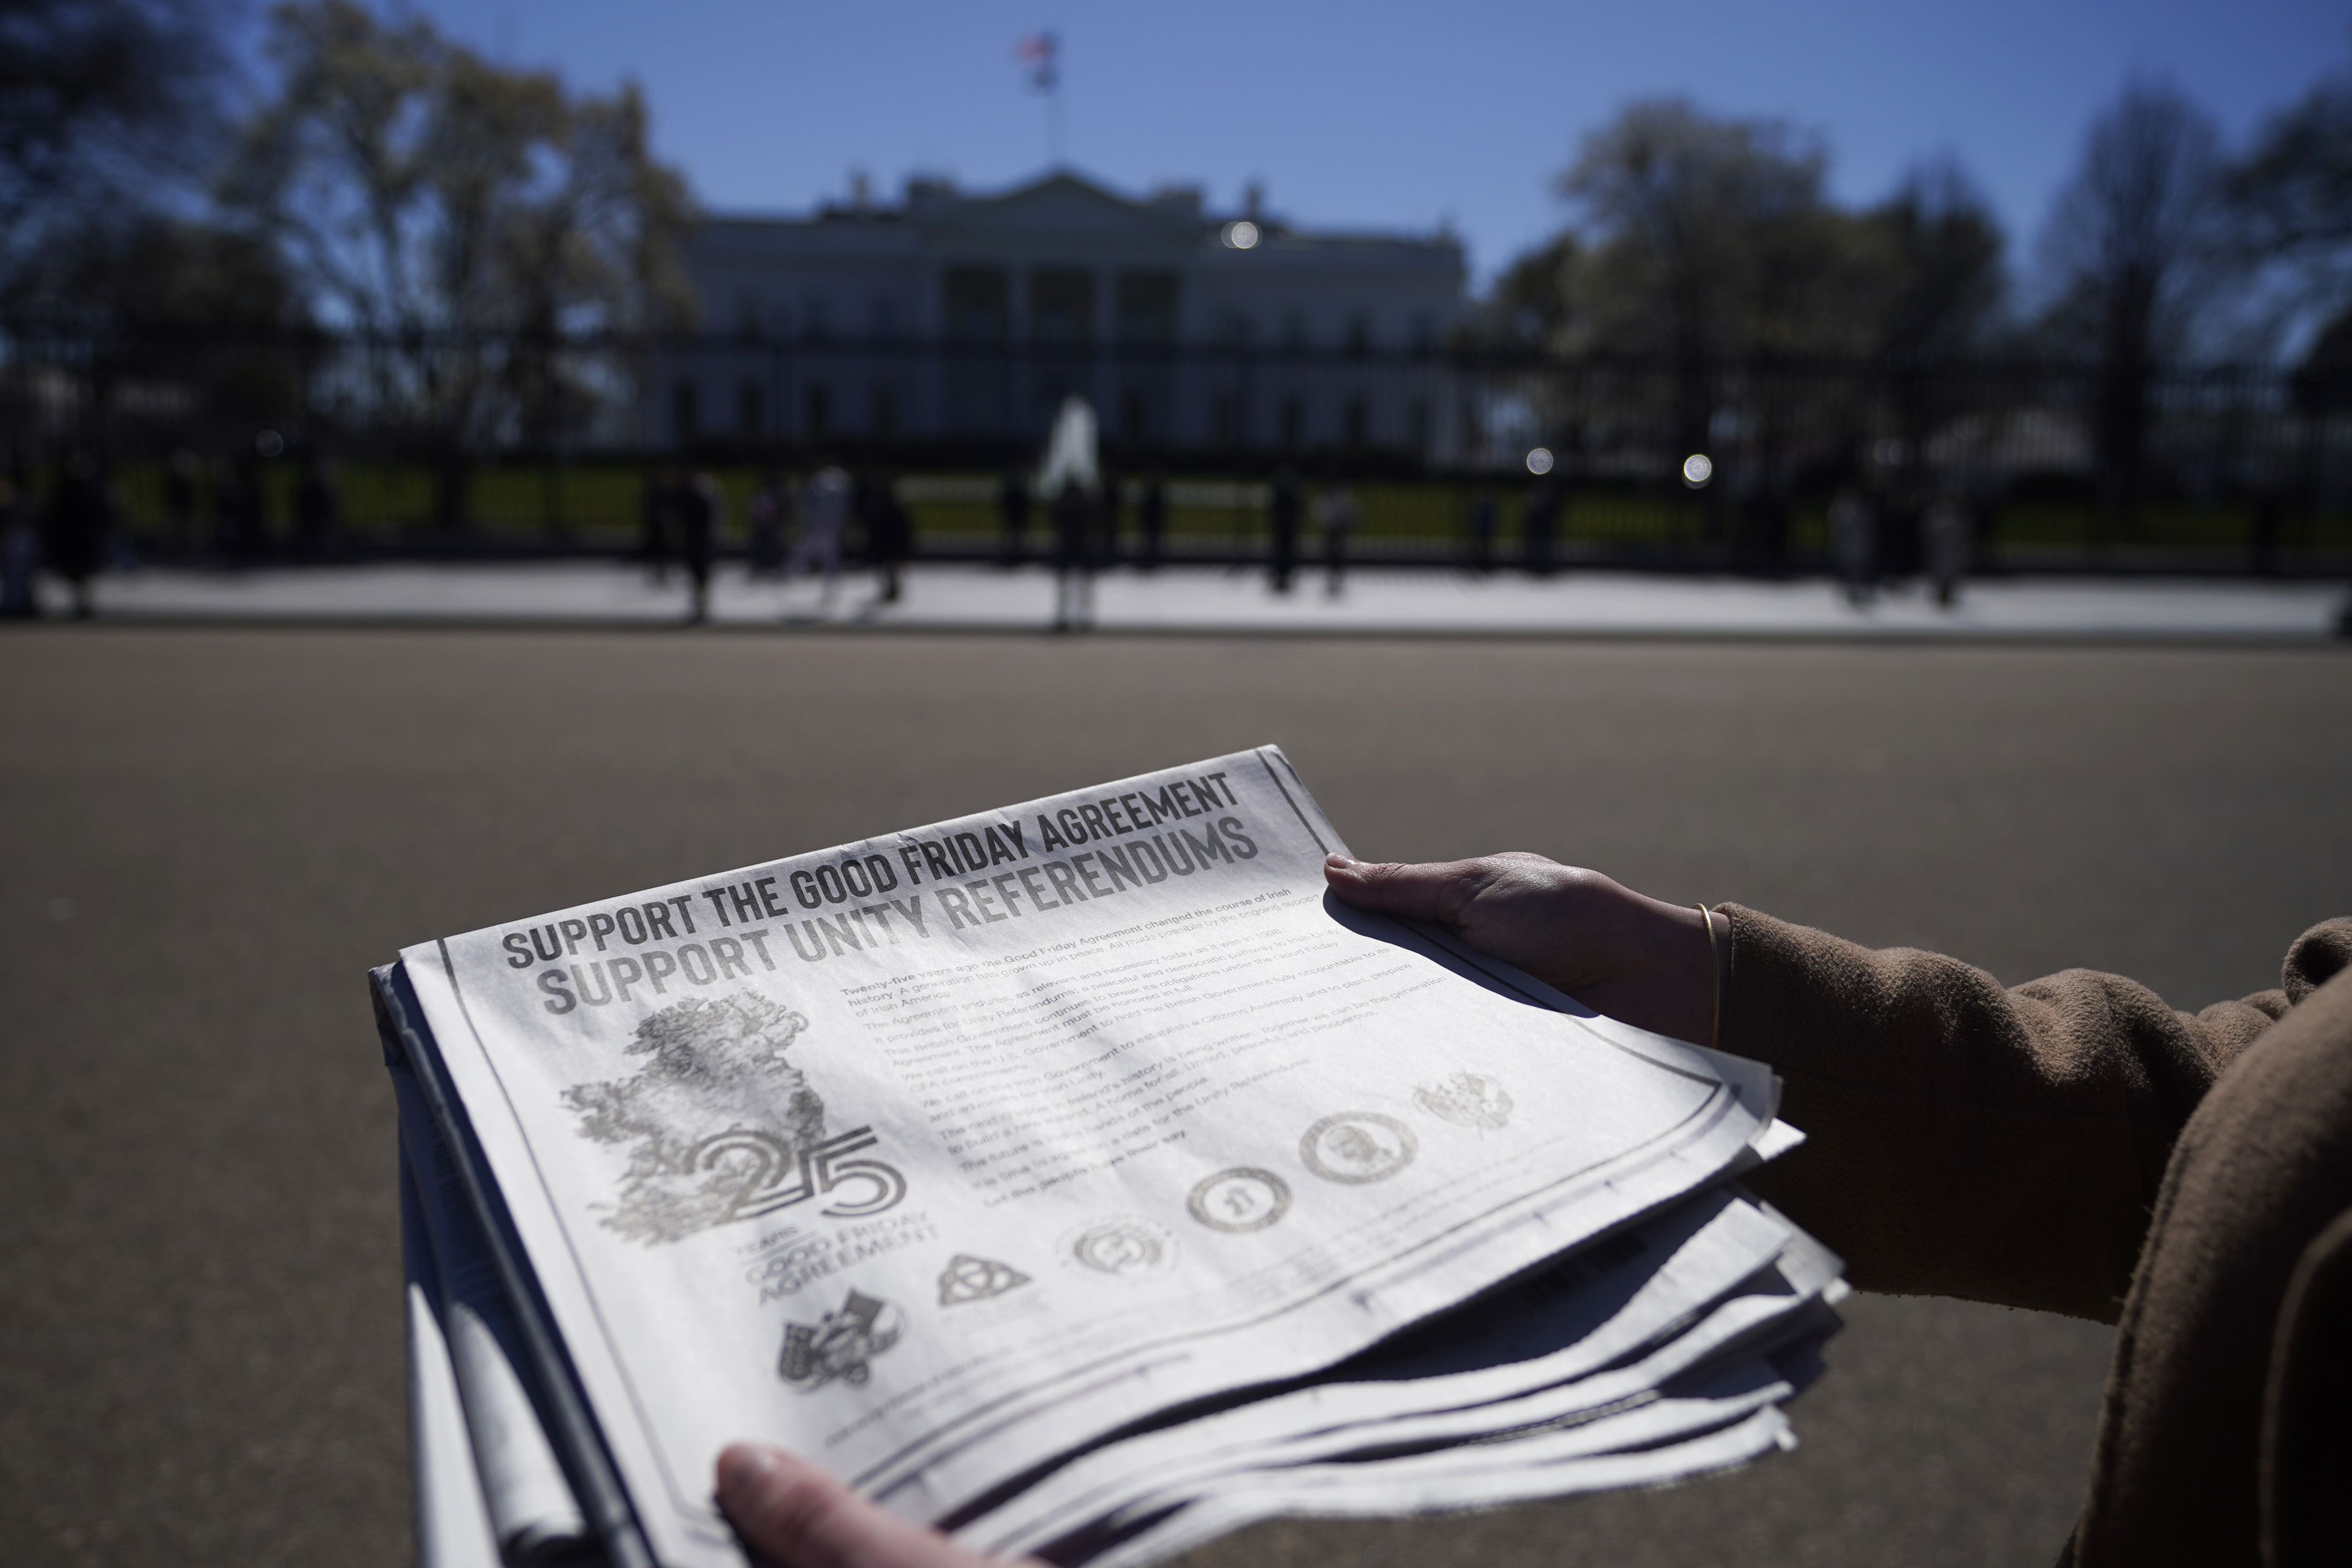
951	316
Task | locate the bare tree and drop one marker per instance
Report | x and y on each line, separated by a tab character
1705	243
2290	209
419	187
1936	284
1693	224
475	217
1942	258
1529	305
2130	250
99	99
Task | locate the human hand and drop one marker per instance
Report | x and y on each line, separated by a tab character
1618	952
795	1514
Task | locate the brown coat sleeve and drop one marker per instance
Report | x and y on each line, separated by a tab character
1964	1140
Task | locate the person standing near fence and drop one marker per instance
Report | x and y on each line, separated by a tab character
701	513
80	513
824	518
889	536
1110	510
242	512
1152	522
1539	525
1334	514
1284	509
656	503
1013	515
180	476
1482	535
318	510
20	550
1763	528
1074	557
765	546
1948	527
1853	543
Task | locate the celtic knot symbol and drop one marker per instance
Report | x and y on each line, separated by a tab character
970	1279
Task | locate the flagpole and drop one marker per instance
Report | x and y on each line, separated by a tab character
1040	56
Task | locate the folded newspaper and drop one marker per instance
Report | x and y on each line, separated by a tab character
1077	1176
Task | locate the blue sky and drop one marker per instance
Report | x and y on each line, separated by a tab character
1386	115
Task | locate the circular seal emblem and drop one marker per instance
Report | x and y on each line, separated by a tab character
1467	1100
1123	1248
1243	1198
1358	1146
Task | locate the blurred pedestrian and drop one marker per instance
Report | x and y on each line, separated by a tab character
1071	477
180	476
1152	522
81	516
1284	511
1853	543
1116	518
824	518
318	508
2269	530
765	526
1482	535
1948	529
241	512
1539	525
889	536
1334	514
1073	556
453	512
701	514
1764	530
656	506
20	553
1900	531
1013	515
866	513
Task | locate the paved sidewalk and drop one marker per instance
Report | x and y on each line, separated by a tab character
1221	600
209	833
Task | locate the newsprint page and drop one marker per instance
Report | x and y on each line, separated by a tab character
940	1156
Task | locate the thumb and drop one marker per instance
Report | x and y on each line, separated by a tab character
1431	890
796	1515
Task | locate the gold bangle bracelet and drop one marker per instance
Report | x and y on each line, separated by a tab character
1714	972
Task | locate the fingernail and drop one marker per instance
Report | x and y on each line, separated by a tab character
1342	862
741	1464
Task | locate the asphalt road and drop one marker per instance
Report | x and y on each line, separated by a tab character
206	838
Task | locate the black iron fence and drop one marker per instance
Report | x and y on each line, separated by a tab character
324	446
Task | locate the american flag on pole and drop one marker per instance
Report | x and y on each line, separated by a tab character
1037	53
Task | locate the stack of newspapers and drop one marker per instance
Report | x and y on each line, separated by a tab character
1077	1176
